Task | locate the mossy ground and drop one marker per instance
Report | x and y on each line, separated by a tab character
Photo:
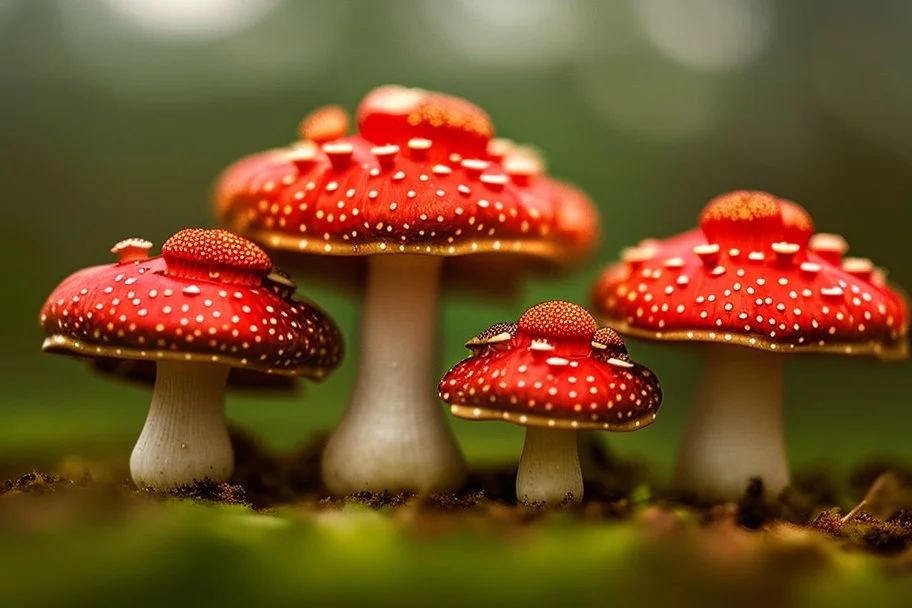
83	534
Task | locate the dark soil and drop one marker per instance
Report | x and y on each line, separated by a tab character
205	490
864	531
880	522
36	482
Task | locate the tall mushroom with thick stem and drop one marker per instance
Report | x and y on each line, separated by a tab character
752	282
422	181
555	373
203	307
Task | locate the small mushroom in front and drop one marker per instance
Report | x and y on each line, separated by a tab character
202	308
555	372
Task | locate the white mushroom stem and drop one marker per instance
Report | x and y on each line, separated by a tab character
549	468
393	435
185	437
735	430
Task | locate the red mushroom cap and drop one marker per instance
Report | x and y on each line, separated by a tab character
422	175
554	368
754	274
208	297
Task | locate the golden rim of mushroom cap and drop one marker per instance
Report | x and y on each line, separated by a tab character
550	250
894	350
471	412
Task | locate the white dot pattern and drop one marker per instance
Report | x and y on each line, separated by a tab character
754	278
420	178
138	311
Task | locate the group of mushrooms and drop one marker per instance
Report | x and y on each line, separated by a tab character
421	185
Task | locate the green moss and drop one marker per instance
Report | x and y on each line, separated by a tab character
183	552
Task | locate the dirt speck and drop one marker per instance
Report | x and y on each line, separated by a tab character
754	510
206	490
866	532
828	522
378	500
36	482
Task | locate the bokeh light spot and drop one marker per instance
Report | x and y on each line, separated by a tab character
711	35
6	10
201	19
280	43
860	75
650	97
502	33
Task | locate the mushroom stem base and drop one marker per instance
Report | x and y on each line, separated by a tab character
549	468
185	437
735	431
394	435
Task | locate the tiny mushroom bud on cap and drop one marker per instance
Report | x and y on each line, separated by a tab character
203	307
421	180
555	373
753	281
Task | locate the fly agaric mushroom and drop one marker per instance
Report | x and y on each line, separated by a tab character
203	307
421	181
555	373
754	282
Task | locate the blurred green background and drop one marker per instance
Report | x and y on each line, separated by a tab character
116	116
